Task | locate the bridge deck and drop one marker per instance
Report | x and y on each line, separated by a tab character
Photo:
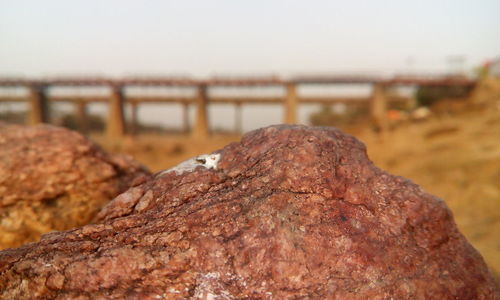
38	97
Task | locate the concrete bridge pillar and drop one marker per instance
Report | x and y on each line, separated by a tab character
116	120
378	109
81	115
185	117
39	104
238	118
291	102
200	129
134	122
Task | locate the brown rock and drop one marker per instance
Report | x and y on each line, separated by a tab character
290	212
54	179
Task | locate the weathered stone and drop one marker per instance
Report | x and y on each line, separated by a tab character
54	179
290	212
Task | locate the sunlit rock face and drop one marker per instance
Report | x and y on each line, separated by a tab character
55	179
290	212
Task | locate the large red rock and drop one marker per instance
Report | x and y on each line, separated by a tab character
54	179
290	212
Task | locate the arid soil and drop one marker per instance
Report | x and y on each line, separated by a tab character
455	157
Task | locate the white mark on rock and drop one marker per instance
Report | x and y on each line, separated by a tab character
210	287
208	161
210	296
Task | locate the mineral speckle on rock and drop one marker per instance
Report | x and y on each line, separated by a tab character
55	179
291	212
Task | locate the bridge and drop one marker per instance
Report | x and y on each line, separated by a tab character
39	98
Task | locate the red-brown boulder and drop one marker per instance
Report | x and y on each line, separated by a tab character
54	179
290	212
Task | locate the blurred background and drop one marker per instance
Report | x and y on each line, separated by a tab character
417	81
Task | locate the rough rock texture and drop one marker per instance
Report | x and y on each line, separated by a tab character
288	213
54	179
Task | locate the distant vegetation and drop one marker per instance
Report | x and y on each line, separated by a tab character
13	117
428	95
353	115
95	123
92	122
328	117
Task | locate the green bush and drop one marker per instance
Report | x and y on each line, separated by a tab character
427	95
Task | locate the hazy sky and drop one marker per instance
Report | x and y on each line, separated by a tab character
201	38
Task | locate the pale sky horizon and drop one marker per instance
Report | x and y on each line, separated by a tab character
223	37
203	38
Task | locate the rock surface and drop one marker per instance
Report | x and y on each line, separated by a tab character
54	179
290	212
